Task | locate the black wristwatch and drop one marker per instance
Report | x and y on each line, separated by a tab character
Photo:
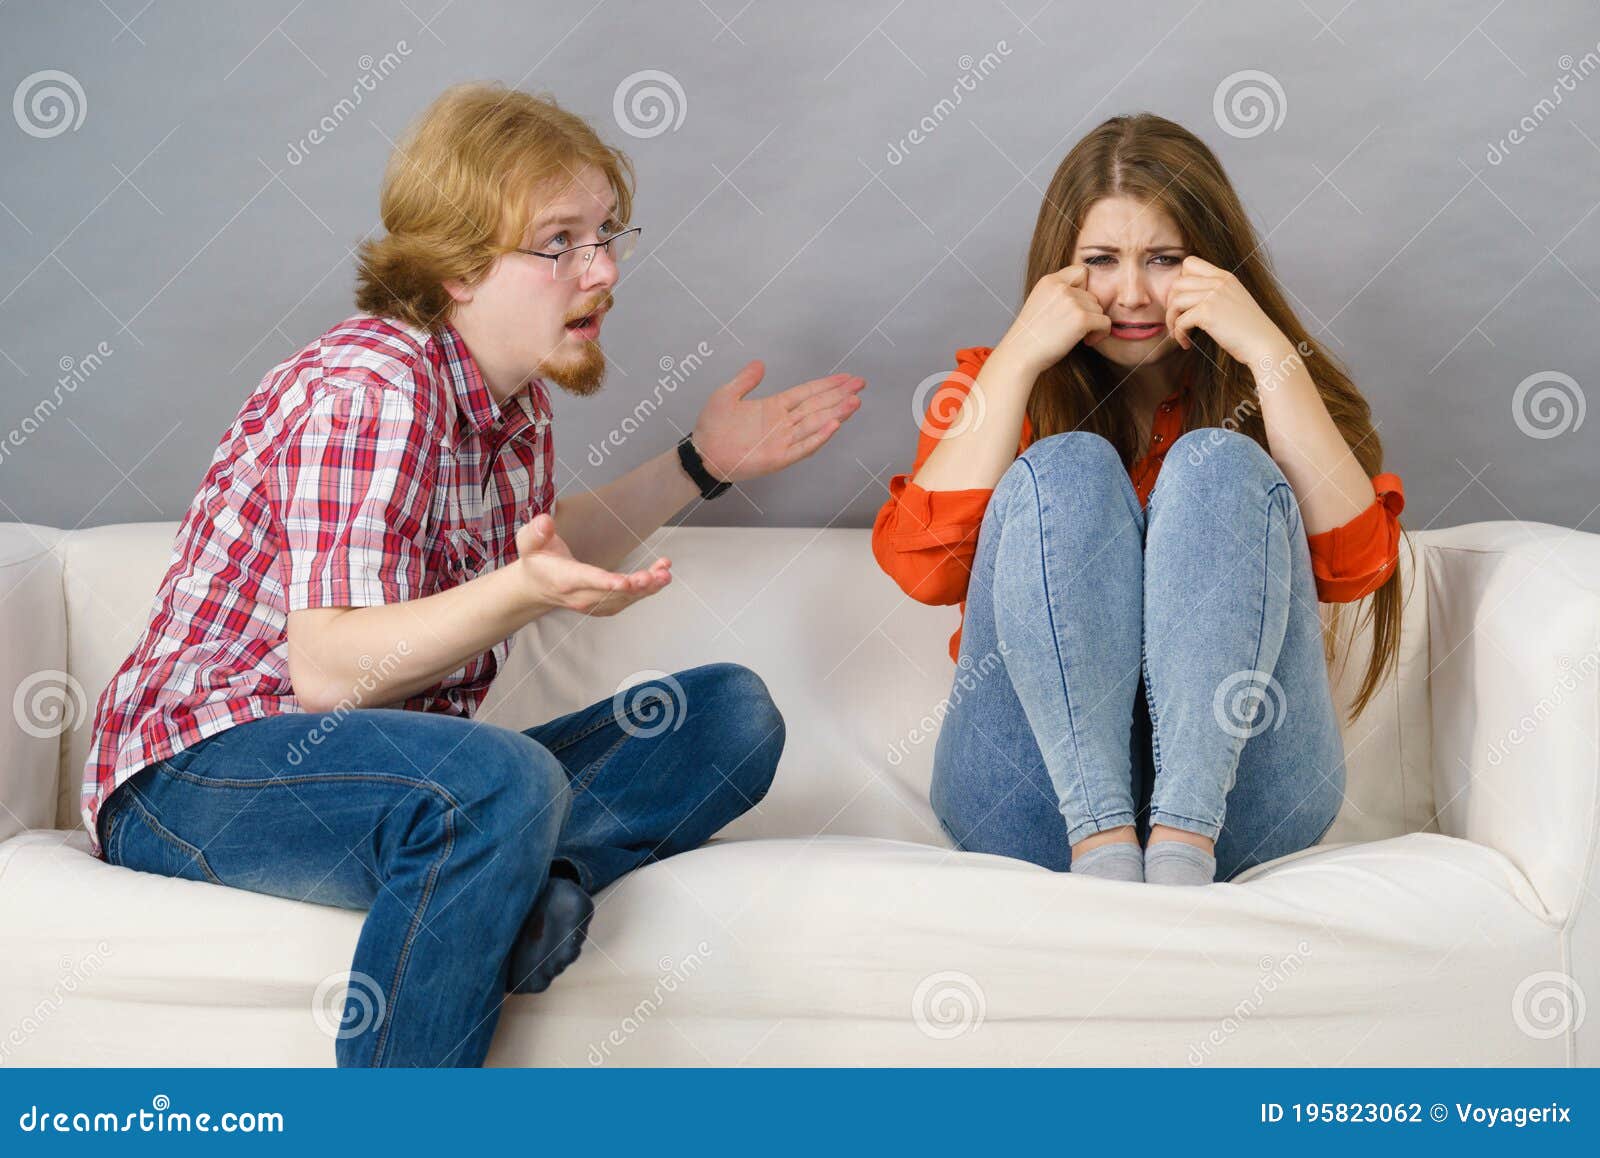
695	468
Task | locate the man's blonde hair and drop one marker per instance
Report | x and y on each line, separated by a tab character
457	193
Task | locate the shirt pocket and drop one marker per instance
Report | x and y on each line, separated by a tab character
466	556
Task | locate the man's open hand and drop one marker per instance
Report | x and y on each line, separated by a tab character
555	579
739	437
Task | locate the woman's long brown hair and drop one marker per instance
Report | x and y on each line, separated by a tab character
1153	160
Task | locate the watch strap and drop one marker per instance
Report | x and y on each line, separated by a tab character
694	466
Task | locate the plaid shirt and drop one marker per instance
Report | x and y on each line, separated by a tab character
373	466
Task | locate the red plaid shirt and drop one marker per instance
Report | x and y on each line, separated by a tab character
374	466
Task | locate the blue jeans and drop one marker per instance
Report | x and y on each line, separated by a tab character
1125	665
445	829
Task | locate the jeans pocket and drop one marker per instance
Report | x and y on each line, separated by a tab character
137	840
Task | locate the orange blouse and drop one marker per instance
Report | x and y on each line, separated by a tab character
926	540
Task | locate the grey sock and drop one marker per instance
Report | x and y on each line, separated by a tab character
1172	862
1113	862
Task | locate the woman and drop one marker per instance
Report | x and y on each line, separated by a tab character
1163	674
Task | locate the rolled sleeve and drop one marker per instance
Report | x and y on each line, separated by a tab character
352	486
926	540
1351	561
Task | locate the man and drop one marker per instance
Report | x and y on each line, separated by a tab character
375	526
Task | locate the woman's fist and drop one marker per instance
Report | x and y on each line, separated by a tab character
1059	313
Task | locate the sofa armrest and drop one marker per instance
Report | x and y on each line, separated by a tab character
33	626
1514	692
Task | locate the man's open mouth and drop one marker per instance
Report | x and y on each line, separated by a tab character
587	326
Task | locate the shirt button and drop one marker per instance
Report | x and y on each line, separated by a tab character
1158	438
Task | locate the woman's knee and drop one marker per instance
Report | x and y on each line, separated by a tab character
1077	451
1081	469
1214	453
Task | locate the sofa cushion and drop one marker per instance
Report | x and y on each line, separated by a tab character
820	950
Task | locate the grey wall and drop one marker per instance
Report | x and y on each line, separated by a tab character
190	225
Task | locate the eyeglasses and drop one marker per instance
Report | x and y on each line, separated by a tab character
574	260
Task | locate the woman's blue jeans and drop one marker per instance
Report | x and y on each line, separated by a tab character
445	830
1125	665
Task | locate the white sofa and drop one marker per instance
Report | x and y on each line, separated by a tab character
1451	916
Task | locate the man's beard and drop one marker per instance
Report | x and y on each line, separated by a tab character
577	372
580	371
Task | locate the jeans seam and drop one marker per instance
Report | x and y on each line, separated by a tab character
1055	639
313	778
1266	560
594	766
1261	619
1180	816
1150	705
112	825
193	852
411	935
1144	659
584	734
1101	824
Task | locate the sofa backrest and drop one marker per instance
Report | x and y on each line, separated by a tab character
860	672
